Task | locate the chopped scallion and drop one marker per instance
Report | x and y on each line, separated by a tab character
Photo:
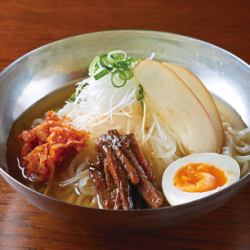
101	74
140	93
116	55
119	65
115	62
117	80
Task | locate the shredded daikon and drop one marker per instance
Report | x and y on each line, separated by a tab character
98	102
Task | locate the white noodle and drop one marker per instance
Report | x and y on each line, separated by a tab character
237	146
243	148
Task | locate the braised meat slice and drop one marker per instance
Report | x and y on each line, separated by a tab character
132	143
125	163
120	177
104	186
47	145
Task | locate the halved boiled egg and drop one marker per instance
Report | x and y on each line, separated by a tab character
198	175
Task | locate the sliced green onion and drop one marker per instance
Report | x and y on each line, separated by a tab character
129	74
105	63
122	75
101	74
116	79
93	67
115	62
116	55
134	60
126	75
140	93
124	65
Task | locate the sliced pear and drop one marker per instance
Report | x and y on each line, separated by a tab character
179	109
201	92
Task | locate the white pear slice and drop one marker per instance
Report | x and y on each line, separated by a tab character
179	109
203	95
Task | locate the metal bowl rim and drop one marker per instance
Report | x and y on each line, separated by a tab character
184	37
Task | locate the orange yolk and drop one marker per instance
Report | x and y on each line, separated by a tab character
199	177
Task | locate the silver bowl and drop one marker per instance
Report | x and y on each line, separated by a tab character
53	66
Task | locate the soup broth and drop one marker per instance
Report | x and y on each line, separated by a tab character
56	100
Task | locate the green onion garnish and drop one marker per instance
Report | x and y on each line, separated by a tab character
140	93
105	63
119	65
128	74
116	55
115	62
118	78
101	74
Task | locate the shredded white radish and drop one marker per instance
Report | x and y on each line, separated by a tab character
162	143
98	101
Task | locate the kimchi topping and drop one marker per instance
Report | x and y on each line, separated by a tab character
47	145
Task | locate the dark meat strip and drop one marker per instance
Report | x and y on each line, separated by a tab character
146	188
133	176
139	155
112	164
115	141
151	195
129	141
118	202
98	177
124	160
119	176
114	192
99	182
125	187
109	180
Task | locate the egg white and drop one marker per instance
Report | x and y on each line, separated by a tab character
176	196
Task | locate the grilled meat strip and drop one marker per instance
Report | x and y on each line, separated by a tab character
148	191
96	172
139	155
119	175
146	188
123	165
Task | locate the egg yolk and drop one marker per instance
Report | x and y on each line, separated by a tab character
199	177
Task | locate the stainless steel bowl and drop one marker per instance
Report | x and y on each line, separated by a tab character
50	67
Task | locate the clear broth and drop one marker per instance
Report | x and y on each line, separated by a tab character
56	100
